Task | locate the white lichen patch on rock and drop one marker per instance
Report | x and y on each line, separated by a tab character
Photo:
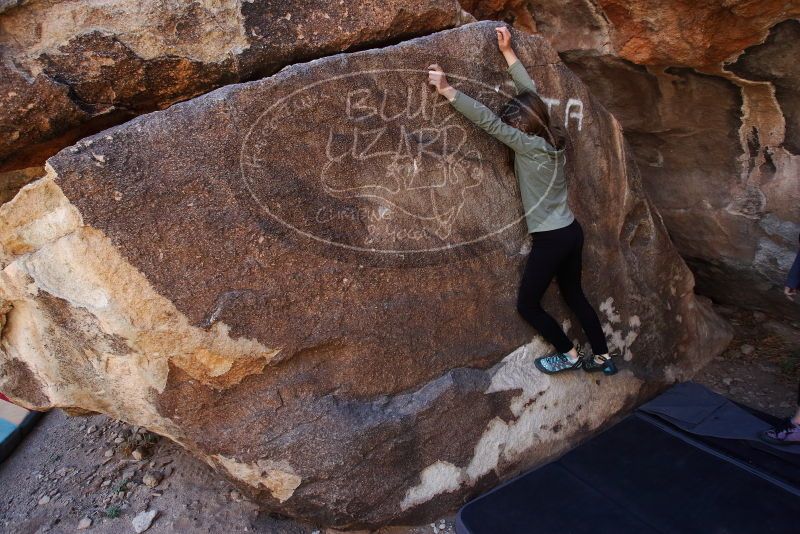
548	412
88	326
440	477
607	307
44	26
276	476
618	340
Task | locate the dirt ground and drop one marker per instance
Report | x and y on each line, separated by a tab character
761	367
74	471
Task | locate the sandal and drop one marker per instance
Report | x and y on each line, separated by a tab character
608	366
785	433
555	363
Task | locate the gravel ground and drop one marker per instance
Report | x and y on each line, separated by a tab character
761	367
73	469
108	477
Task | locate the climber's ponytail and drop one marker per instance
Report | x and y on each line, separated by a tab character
528	112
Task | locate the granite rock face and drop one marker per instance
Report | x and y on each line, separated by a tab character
309	281
707	93
74	67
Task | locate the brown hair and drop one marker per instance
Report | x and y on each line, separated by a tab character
528	112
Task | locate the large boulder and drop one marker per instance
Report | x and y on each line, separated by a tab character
707	93
72	67
309	281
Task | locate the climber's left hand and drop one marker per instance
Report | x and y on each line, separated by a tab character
437	78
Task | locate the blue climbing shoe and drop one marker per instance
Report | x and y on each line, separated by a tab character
555	363
590	365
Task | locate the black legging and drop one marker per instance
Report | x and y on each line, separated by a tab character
558	253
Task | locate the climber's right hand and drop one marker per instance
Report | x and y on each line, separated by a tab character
503	38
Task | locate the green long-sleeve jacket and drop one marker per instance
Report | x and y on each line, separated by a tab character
538	166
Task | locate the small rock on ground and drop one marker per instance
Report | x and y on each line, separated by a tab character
143	521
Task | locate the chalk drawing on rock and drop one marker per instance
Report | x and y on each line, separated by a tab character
397	170
431	186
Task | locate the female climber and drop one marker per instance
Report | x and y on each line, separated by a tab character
539	147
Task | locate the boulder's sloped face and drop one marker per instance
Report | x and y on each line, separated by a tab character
310	282
707	95
75	67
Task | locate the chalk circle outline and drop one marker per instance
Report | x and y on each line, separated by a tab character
262	205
